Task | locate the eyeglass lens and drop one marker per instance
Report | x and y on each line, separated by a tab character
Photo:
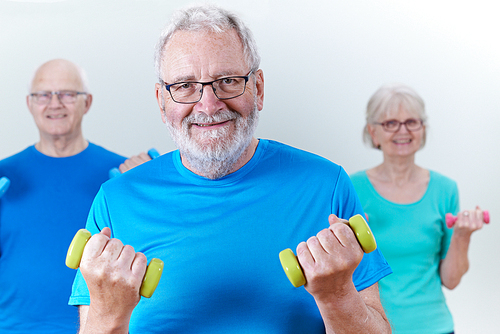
411	124
65	96
224	88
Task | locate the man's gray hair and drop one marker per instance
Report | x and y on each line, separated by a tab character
208	18
388	99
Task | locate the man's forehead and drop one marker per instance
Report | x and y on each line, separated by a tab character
190	55
195	74
56	79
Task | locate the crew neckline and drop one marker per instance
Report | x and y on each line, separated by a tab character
228	179
43	155
372	188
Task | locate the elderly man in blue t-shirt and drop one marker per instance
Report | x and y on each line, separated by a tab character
52	185
219	209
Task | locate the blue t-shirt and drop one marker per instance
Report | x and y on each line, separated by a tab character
220	240
47	202
414	239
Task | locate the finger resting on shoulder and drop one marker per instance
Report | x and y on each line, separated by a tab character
144	156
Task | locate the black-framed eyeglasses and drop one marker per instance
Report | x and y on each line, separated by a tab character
64	96
224	88
411	124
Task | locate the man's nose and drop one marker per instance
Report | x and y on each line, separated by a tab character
55	101
209	103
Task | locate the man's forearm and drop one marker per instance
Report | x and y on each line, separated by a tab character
355	313
95	324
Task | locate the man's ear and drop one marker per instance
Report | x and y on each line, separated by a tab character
159	99
88	102
259	84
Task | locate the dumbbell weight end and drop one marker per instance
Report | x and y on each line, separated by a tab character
152	277
4	185
153	153
363	233
292	268
114	172
75	250
153	271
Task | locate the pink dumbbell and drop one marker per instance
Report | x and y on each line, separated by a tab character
450	219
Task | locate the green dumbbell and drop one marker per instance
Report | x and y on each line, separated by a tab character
151	278
292	267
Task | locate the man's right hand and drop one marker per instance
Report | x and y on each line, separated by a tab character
113	273
134	161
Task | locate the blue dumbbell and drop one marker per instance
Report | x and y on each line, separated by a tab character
4	185
114	172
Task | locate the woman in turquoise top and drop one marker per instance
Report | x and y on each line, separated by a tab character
406	207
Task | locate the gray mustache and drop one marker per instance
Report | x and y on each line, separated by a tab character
221	116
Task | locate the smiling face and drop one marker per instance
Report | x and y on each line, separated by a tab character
211	134
55	119
402	143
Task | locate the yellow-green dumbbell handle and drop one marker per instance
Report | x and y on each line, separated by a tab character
292	267
151	278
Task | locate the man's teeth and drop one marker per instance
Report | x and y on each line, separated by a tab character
209	124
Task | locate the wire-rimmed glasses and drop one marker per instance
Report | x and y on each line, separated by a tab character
64	96
411	124
224	88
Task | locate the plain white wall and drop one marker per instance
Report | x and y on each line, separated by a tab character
322	60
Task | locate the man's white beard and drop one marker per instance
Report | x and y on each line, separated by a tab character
220	151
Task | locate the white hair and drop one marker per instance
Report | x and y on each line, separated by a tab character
208	18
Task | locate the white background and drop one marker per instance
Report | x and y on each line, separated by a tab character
322	60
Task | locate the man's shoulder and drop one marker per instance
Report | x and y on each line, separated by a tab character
155	171
19	156
95	149
298	155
